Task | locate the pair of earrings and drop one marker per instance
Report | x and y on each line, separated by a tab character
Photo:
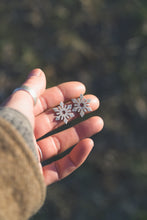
65	112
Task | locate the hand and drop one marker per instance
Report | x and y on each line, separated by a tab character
42	119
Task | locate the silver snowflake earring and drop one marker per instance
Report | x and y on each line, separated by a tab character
81	105
63	112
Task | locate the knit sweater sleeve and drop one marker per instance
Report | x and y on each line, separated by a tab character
21	123
22	190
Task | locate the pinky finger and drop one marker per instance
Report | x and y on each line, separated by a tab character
65	166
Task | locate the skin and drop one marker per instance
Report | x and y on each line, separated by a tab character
41	117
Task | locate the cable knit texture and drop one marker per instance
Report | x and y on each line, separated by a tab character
22	187
21	123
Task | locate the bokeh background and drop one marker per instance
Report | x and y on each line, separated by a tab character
102	43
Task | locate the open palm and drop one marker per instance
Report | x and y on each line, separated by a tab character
42	118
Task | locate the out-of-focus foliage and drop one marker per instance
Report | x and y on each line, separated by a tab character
102	43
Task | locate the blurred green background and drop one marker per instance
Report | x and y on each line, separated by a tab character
102	43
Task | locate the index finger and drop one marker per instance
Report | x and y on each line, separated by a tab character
54	95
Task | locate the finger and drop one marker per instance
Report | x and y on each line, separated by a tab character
63	92
63	140
46	121
65	166
37	81
22	100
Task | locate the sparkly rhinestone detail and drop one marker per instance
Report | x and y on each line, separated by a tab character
63	112
81	105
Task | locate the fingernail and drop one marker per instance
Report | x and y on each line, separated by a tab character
36	72
92	143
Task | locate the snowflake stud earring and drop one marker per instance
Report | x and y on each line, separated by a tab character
63	112
81	105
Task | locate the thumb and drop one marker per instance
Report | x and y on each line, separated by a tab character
36	80
22	100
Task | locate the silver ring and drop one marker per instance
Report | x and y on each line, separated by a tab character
29	90
40	153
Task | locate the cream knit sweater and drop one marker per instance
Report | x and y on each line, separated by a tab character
22	187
